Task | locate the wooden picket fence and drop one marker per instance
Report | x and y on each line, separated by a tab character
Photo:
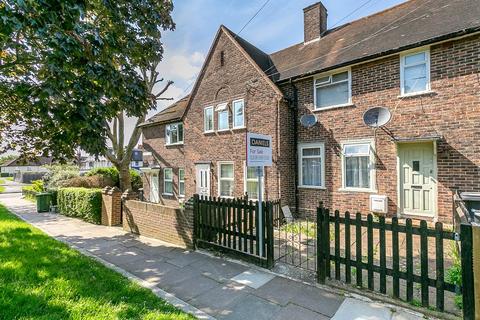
328	223
232	226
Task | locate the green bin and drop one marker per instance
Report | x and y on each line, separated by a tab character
43	201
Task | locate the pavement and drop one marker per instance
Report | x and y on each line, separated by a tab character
12	186
215	287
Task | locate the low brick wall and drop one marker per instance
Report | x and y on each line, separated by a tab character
169	224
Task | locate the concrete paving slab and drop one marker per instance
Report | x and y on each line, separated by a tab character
252	307
294	312
220	300
317	300
192	287
274	290
218	269
183	258
253	278
352	309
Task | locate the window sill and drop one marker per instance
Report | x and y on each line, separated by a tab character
312	187
357	190
173	144
209	132
417	94
346	105
239	128
167	194
223	130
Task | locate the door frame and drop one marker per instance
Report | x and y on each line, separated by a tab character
400	213
209	169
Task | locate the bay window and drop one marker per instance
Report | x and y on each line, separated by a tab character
174	133
415	72
225	179
332	90
312	165
358	163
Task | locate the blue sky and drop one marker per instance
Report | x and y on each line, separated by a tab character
277	26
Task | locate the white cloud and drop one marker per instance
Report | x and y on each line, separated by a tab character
181	66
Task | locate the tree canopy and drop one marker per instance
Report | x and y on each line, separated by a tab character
67	67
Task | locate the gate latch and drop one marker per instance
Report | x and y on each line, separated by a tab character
456	236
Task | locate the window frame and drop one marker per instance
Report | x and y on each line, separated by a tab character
330	74
209	108
403	56
220	163
165	181
168	137
234	117
311	145
245	180
224	110
181	181
371	164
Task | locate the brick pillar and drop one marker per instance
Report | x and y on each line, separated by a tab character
111	206
129	195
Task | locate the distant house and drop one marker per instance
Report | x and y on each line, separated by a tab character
89	162
19	165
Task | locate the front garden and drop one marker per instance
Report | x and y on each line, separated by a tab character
45	279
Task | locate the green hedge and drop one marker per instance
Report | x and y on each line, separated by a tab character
82	203
31	191
112	173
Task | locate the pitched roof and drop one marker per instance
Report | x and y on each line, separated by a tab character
408	25
19	161
172	113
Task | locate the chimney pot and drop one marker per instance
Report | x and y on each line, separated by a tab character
314	22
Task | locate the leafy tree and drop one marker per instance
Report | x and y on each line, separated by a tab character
68	68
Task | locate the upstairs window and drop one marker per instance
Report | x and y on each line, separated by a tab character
415	72
226	179
357	166
238	114
223	123
174	133
332	90
208	119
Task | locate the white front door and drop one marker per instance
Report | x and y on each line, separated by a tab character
418	178
154	192
203	179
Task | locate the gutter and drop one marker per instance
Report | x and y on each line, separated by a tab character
157	123
444	38
294	107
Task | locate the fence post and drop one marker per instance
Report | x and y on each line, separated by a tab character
195	220
269	224
467	272
320	258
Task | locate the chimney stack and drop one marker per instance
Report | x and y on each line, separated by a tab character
314	22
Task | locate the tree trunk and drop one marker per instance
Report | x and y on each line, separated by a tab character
124	176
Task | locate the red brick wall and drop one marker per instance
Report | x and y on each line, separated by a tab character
451	111
236	79
111	207
169	224
165	157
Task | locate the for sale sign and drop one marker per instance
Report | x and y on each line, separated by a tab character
259	150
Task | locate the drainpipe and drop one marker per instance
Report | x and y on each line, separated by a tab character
294	108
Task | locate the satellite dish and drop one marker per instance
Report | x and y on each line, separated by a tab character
377	117
308	120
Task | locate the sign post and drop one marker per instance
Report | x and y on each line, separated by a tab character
259	155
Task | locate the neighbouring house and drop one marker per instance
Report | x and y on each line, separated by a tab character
420	60
19	165
88	162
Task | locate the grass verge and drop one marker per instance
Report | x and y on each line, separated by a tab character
2	189
43	278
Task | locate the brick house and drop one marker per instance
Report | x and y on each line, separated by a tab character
419	61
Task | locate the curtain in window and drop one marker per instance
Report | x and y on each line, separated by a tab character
226	180
357	172
332	95
312	171
252	183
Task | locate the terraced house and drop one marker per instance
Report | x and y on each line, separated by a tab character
419	60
